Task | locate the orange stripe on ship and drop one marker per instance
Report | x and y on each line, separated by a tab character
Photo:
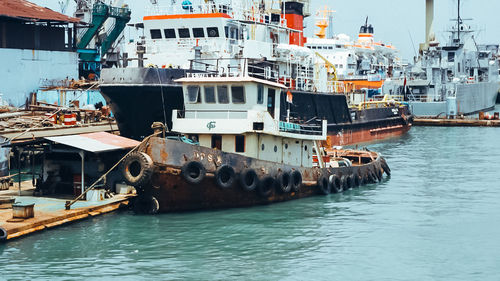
188	16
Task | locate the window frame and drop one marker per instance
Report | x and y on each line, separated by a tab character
242	94
181	33
155	37
198	99
213	94
226	94
196	30
169	35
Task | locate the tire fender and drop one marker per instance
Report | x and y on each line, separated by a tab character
284	182
296	180
193	172
137	168
224	176
265	187
249	180
324	187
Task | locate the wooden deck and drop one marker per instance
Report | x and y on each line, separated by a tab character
50	212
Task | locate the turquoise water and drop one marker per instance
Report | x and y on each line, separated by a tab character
437	218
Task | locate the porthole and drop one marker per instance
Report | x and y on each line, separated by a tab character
305	147
286	145
263	147
275	148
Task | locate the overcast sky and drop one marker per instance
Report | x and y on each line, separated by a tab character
394	20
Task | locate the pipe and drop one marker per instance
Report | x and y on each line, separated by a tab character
429	21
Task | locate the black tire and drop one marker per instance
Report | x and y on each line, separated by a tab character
266	186
3	234
296	180
346	184
249	180
137	169
378	172
225	176
357	180
386	168
193	172
146	205
284	182
335	184
324	187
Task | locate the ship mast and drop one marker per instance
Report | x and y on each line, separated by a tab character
458	21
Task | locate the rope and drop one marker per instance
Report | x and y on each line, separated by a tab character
162	98
69	203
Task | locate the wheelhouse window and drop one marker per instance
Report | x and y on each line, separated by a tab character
193	94
212	32
169	33
237	94
184	33
260	94
198	32
239	143
155	34
209	94
222	95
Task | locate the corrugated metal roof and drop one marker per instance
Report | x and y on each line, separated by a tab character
28	11
95	142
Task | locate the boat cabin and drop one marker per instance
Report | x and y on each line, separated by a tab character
242	115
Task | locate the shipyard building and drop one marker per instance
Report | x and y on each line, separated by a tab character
37	48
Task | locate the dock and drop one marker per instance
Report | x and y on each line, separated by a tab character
49	212
455	122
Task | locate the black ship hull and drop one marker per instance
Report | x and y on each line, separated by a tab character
146	95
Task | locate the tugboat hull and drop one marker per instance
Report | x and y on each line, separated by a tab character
173	192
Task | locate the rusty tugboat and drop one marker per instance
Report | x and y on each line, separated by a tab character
232	150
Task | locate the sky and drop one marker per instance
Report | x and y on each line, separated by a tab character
397	22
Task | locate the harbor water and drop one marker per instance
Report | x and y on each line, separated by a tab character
436	218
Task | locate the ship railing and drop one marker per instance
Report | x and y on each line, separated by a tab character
211	114
313	127
235	9
337	87
244	67
230	67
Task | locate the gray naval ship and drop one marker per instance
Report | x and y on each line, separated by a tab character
460	78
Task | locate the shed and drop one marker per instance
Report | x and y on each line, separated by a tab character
91	143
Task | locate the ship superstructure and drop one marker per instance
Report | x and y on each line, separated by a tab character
455	79
232	39
362	63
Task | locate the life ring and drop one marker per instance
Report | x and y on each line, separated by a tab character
3	234
296	180
148	205
224	176
385	167
284	182
324	187
266	186
249	179
335	184
138	169
193	172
